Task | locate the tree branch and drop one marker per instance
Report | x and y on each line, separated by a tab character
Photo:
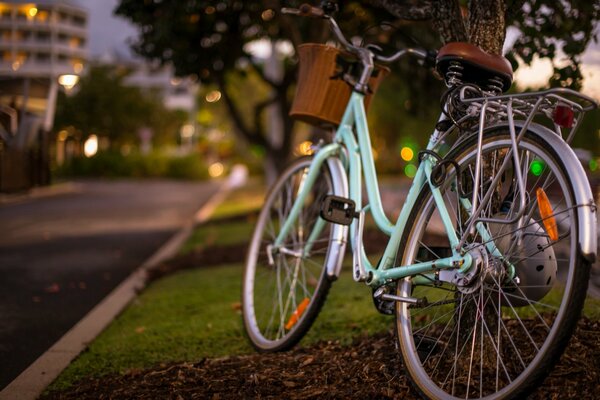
445	15
244	131
513	8
262	75
258	109
413	11
448	21
288	122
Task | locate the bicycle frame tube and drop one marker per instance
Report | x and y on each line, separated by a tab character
359	156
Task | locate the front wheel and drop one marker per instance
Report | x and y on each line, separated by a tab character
285	287
499	332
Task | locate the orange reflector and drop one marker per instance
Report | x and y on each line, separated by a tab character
297	314
547	214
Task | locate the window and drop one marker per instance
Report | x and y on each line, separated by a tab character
79	21
42	57
43	36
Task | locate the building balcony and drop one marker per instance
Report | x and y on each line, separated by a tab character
77	30
37	69
45	46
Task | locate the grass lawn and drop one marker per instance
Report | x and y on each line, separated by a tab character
242	200
194	314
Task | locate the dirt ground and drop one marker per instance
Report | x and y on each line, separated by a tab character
369	368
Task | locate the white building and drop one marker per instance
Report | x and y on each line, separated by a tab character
42	38
42	43
177	93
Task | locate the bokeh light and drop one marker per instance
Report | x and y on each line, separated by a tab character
213	96
216	169
410	170
304	148
407	153
536	167
90	147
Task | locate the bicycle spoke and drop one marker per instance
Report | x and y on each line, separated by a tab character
496	326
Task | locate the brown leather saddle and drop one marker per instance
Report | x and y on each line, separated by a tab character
477	66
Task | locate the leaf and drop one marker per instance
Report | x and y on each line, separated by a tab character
307	361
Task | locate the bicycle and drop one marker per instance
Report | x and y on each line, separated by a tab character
487	265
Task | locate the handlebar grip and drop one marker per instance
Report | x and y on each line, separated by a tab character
430	60
306	10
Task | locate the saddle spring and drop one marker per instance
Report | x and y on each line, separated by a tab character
454	74
454	77
495	85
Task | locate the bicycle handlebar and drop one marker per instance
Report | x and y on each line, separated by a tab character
306	10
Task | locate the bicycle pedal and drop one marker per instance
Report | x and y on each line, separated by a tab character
385	307
338	210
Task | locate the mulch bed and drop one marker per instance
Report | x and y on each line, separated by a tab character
370	368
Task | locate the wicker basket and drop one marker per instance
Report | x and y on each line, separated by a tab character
319	99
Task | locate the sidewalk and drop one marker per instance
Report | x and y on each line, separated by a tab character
40	192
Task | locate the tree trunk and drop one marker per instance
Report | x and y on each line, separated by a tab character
487	25
483	24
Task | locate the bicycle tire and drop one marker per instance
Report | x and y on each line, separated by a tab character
417	341
309	273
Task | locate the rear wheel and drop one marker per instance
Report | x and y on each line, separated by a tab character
284	288
497	331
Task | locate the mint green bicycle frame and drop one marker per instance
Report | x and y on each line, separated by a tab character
359	156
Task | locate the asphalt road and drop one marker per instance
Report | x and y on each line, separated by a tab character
61	255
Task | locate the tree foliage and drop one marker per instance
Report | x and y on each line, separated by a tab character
553	28
211	39
105	106
547	28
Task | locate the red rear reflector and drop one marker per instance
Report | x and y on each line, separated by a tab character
563	115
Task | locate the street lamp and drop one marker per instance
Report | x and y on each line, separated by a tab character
68	81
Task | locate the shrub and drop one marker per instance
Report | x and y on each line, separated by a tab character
111	164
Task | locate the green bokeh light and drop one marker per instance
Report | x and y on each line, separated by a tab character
410	170
593	164
537	167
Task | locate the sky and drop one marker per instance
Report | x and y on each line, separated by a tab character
106	31
539	72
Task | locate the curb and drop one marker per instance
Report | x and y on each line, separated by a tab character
40	192
42	372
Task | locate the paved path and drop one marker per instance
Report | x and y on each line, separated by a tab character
60	255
